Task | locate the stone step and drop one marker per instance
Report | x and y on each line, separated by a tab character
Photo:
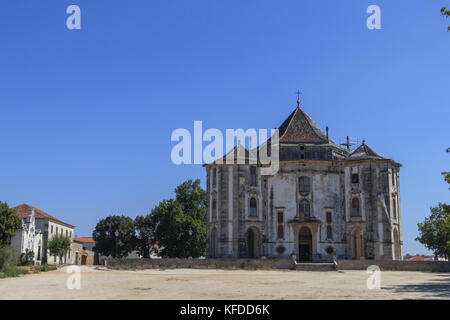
312	266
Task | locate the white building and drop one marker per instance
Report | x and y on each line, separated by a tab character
49	226
28	237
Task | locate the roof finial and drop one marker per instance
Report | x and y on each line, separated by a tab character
298	98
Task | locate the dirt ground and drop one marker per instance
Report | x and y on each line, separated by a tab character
98	283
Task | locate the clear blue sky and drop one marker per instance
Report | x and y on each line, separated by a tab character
86	115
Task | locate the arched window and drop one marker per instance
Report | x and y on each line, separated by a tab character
304	209
304	186
252	207
214	208
329	217
355	208
329	232
280	232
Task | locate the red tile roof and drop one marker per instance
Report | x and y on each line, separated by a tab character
85	240
418	258
22	212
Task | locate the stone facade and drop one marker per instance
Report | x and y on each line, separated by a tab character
28	237
49	227
87	254
324	201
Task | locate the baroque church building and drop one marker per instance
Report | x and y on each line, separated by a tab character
323	201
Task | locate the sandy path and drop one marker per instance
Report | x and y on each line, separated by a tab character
222	284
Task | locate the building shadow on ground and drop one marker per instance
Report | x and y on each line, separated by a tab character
433	289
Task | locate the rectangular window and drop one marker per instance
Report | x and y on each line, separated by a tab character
329	233
280	228
51	230
355	178
280	232
214	208
394	209
280	217
329	218
253	211
214	177
253	176
56	230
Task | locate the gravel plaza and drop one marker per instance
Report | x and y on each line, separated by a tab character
200	284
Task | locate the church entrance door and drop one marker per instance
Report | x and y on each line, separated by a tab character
304	244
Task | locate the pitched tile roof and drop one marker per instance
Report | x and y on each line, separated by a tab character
364	152
84	240
300	128
22	212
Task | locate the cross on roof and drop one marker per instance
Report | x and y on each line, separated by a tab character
298	97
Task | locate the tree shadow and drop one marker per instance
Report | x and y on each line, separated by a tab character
433	289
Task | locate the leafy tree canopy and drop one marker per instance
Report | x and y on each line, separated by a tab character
434	232
180	224
9	223
145	242
58	246
106	241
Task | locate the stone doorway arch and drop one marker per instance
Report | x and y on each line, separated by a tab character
304	244
357	240
252	239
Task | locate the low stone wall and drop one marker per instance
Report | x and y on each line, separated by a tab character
166	263
430	266
203	263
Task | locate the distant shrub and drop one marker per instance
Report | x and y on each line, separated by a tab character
12	271
7	258
26	258
45	268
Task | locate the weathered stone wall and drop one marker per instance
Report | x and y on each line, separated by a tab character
331	191
427	266
431	266
203	263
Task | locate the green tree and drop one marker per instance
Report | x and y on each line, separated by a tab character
180	224
58	246
434	232
445	13
145	240
9	223
106	241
